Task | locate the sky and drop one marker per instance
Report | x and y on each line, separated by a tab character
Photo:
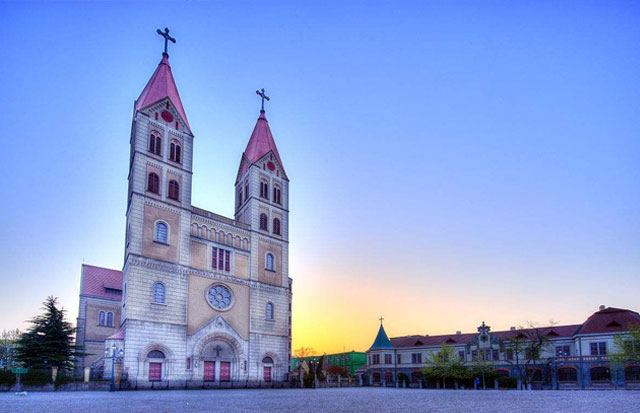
451	162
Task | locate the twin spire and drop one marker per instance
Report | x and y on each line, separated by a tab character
162	86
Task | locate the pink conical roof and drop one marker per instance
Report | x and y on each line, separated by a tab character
261	142
160	86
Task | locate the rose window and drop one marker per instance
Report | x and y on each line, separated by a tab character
220	297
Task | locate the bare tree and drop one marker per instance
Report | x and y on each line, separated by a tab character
528	345
303	352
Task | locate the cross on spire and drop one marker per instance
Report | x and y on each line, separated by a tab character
381	318
167	38
263	96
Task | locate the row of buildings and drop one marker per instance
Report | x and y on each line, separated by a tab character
577	356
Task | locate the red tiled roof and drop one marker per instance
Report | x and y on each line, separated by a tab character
261	142
101	282
160	86
454	339
418	341
117	336
610	320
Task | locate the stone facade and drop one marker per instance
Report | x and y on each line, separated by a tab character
204	297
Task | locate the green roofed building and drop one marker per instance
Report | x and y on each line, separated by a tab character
350	360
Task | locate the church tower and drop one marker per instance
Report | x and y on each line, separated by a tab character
158	219
262	202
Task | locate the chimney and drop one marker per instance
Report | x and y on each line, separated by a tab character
512	328
458	332
602	307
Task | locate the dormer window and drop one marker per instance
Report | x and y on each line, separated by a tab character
175	152
155	143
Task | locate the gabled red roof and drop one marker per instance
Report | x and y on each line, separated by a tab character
101	282
160	86
117	336
459	339
610	320
261	142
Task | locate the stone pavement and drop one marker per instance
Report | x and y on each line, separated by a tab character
326	400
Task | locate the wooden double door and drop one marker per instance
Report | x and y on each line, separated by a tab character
210	370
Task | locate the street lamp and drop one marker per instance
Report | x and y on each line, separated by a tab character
115	356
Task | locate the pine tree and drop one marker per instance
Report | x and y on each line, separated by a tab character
49	340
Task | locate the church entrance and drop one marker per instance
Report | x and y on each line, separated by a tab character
155	371
219	363
209	371
225	371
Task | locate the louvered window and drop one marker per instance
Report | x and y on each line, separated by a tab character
153	183
162	232
174	190
158	293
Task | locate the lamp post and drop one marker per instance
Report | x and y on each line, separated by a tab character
115	356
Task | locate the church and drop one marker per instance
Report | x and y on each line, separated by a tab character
201	297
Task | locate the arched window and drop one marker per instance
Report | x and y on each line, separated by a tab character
155	354
276	195
632	373
269	262
162	232
269	313
174	190
153	183
263	221
101	318
246	189
158	293
264	189
567	374
388	376
155	143
175	151
109	319
600	373
276	226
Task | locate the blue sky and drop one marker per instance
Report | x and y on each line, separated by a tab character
450	162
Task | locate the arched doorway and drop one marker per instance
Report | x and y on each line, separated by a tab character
219	362
267	369
155	358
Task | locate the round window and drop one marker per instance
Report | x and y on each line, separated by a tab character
220	297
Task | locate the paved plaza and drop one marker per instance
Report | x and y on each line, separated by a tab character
327	400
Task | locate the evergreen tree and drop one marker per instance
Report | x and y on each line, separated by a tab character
49	340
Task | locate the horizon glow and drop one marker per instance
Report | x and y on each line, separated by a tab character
450	163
